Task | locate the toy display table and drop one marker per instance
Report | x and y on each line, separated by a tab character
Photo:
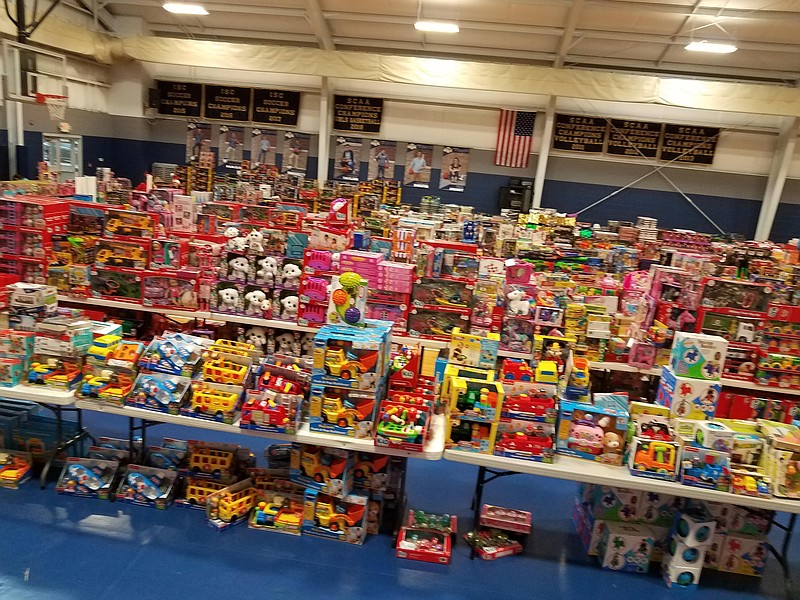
58	402
586	471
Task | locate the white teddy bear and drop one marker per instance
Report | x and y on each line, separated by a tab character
289	306
267	270
228	299
255	300
238	268
255	241
516	304
290	275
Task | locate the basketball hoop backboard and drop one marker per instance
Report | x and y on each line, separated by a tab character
32	70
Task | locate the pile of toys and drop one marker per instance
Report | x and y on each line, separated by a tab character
500	532
629	529
427	537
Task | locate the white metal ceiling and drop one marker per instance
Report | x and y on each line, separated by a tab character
624	35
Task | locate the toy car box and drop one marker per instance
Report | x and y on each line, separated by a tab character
231	505
265	410
525	440
159	392
744	554
340	519
402	425
15	468
657	459
687	398
594	431
147	486
706	468
352	358
87	477
277	510
343	412
329	470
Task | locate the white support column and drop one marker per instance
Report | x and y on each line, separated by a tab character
324	142
782	158
544	152
16	134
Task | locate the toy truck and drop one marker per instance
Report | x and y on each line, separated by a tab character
655	456
338	364
321	467
337	518
345	414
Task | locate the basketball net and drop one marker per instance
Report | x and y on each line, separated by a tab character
56	105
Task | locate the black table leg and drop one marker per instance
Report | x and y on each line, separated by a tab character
782	556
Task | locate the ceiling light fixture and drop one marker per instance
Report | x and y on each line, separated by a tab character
712	47
179	8
436	26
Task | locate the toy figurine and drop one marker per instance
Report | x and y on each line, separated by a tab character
517	303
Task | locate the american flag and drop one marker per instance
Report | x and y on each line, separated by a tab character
514	137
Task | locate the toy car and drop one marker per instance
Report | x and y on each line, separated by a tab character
85	477
547	372
103	346
515	369
522	442
13	467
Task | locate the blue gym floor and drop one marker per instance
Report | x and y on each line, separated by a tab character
60	548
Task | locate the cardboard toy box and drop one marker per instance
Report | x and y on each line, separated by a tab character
687	398
626	547
698	356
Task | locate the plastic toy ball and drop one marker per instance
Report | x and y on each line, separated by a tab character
685	578
350	282
340	297
691	555
702	534
352	315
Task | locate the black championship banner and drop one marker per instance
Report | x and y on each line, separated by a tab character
638	139
227	103
689	144
579	134
357	113
276	107
179	99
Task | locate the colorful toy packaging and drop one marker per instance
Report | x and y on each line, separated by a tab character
341	519
348	299
329	470
277	510
87	477
698	356
352	358
341	412
744	554
706	468
426	537
15	468
626	547
403	425
594	431
474	350
231	505
687	398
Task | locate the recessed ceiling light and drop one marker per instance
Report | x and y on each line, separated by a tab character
436	26
713	47
179	8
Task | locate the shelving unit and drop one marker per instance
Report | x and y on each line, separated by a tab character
433	449
40	394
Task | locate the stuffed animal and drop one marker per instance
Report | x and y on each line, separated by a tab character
228	299
255	299
307	344
238	244
284	342
289	306
238	268
516	303
266	308
255	241
612	444
290	275
257	336
267	270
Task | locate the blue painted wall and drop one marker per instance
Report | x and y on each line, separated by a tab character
131	158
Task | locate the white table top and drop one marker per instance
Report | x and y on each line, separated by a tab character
587	471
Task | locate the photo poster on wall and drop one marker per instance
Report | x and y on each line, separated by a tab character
382	158
347	161
455	165
418	165
295	153
198	139
263	146
231	145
